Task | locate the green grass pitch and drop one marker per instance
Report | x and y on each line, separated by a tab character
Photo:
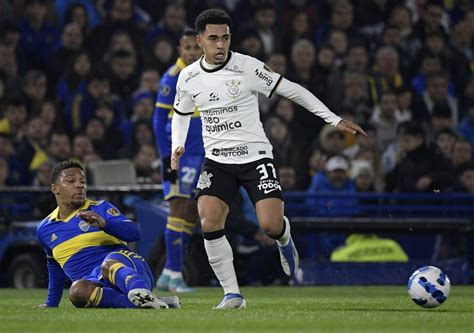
270	309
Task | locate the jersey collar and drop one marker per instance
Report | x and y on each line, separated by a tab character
54	216
217	68
180	63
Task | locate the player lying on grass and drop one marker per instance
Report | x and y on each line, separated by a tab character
85	241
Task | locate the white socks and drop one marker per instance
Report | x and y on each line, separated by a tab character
221	259
172	274
284	240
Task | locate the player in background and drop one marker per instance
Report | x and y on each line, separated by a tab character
224	85
178	185
85	241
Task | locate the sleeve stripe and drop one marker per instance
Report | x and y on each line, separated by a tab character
275	87
183	113
164	106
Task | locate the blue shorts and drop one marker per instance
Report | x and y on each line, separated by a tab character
185	183
129	259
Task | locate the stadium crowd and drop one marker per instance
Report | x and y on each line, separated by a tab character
78	80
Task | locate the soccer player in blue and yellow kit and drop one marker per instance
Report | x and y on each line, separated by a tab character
85	241
178	186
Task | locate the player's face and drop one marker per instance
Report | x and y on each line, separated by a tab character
189	50
215	42
70	188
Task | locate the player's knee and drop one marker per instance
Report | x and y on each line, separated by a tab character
272	225
105	267
210	224
80	292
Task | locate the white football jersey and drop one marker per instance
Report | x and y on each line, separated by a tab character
227	100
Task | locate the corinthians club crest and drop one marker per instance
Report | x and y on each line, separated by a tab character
233	90
204	180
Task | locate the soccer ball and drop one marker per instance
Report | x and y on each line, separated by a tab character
429	287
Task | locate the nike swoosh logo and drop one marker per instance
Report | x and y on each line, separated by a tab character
268	191
196	95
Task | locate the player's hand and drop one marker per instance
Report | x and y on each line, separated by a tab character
178	152
92	218
350	127
168	173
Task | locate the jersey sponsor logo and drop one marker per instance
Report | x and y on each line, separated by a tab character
231	152
204	180
233	90
227	126
113	211
264	77
165	90
191	75
218	111
84	226
234	69
213	97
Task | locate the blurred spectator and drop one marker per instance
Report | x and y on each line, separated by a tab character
436	94
113	126
287	148
341	17
385	120
95	130
285	109
395	151
356	96
331	140
440	119
444	141
462	152
38	34
300	27
147	165
432	19
4	173
163	51
81	146
317	161
16	174
287	175
303	61
35	88
386	74
370	154
429	63
277	62
362	142
143	104
73	82
149	80
171	25
362	175
338	42
122	74
82	12
48	111
335	178
59	147
71	42
31	149
422	169
121	40
141	134
462	54
465	178
265	25
466	126
13	121
9	57
405	101
42	203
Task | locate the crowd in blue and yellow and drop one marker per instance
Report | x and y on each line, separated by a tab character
78	80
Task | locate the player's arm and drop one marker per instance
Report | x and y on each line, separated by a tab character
109	219
306	99
183	110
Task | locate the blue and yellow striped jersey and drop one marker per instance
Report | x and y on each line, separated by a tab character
164	112
78	247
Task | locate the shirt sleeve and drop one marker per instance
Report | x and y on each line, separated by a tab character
117	224
183	104
260	77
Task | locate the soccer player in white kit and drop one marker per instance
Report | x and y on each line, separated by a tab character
224	86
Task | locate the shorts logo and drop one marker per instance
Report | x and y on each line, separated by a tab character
112	211
233	90
84	226
204	180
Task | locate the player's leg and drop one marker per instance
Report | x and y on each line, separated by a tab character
179	190
88	294
129	273
217	189
261	182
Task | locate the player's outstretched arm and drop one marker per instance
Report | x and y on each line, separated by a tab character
56	280
306	99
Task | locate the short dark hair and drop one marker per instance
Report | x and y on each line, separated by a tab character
415	129
60	166
189	33
211	16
